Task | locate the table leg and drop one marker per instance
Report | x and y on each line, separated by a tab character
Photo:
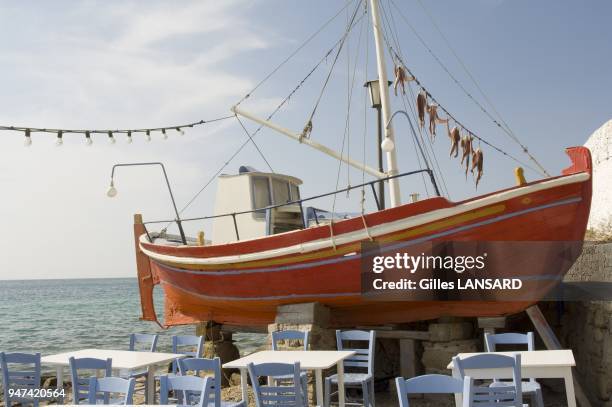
458	396
59	376
244	383
569	388
341	391
319	387
150	388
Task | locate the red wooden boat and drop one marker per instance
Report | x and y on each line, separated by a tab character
243	282
278	258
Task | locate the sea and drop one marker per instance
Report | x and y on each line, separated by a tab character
54	316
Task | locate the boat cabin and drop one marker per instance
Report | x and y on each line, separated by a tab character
251	190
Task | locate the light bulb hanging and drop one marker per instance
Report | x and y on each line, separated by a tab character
148	135
111	138
28	140
164	135
59	141
181	132
129	137
387	145
88	140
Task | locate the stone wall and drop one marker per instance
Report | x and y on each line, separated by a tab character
586	327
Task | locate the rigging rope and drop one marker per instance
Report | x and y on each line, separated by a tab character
295	52
255	144
506	129
278	107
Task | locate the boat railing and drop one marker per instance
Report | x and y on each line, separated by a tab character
299	202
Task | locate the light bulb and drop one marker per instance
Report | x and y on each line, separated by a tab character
88	140
387	145
111	138
164	135
28	140
129	137
112	191
180	131
148	135
59	141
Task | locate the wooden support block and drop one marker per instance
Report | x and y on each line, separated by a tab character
490	324
408	360
414	335
307	313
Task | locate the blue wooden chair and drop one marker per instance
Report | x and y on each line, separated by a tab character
149	341
142	343
19	371
80	383
186	384
510	392
199	366
284	395
179	342
290	335
109	389
530	387
360	372
427	384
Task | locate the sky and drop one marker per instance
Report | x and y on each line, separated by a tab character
130	64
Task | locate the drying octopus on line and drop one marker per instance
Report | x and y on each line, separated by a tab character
400	79
477	164
434	119
467	149
421	103
455	138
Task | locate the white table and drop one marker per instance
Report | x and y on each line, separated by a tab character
123	362
316	360
539	364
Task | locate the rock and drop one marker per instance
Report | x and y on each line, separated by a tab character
437	355
450	331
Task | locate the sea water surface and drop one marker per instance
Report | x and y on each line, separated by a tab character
52	316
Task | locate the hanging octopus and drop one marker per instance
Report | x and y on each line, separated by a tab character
421	103
400	79
477	164
455	137
434	119
466	148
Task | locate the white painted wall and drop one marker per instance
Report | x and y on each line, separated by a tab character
601	150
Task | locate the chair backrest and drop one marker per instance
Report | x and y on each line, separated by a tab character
427	384
110	386
494	361
488	396
19	371
491	340
364	357
190	341
198	365
185	384
80	383
288	336
286	395
149	340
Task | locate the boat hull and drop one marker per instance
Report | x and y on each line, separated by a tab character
243	283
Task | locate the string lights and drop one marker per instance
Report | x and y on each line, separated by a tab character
112	134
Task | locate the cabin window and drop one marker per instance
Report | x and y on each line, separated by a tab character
295	192
281	191
261	195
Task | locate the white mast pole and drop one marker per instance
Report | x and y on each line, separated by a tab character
394	188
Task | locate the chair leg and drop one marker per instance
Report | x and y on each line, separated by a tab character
366	395
327	396
304	381
539	401
372	393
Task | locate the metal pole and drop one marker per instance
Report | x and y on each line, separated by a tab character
392	169
381	184
176	212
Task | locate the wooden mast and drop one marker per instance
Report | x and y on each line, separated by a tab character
394	187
